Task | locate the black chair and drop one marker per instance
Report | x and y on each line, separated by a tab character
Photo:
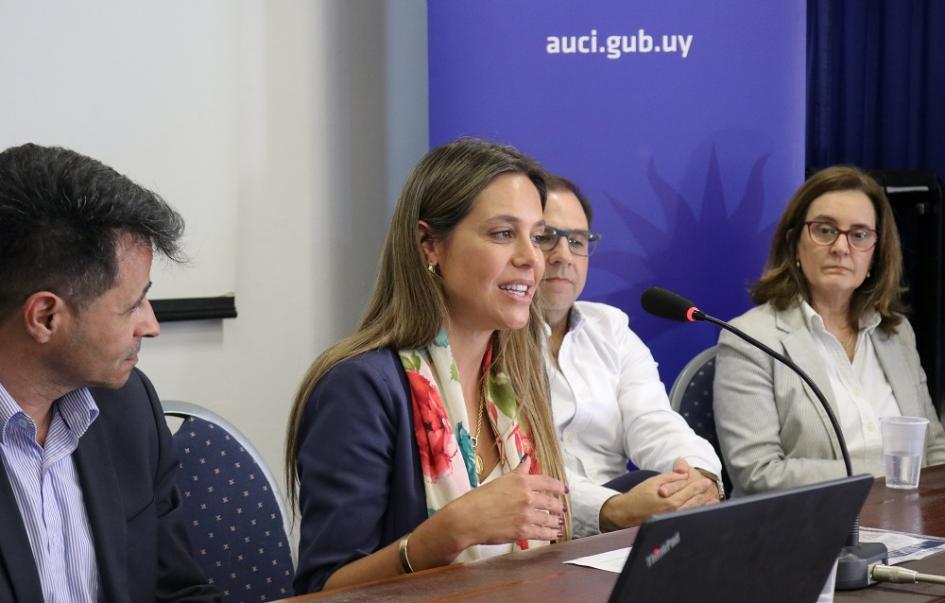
235	516
691	397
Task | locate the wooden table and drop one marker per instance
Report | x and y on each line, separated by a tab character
541	575
919	511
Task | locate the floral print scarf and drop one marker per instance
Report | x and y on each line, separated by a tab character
442	427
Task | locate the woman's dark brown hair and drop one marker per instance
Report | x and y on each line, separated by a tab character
783	281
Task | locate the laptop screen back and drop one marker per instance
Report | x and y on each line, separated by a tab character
771	547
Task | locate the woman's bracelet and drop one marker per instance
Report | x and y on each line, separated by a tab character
404	559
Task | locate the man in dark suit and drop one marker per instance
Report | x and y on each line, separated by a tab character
88	503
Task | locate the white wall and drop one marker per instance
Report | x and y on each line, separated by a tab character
281	130
147	88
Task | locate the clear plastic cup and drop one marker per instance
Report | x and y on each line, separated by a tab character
903	446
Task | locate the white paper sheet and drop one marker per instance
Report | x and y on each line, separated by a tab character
611	561
902	545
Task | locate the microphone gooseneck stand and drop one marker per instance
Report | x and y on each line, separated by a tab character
856	559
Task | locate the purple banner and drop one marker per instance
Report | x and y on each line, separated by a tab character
682	121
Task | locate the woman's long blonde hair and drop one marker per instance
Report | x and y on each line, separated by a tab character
408	307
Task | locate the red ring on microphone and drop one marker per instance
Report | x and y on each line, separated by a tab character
690	312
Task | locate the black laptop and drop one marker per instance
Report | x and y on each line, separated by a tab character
772	547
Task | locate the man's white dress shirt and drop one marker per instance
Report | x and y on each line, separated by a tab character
609	406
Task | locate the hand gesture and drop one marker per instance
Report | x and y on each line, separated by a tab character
681	488
516	506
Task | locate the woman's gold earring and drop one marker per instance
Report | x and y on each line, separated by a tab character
797	264
432	269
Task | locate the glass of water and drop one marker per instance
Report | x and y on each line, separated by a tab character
903	446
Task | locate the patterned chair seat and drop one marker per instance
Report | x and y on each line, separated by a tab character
234	513
691	397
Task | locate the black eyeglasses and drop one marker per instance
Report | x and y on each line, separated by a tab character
580	242
825	233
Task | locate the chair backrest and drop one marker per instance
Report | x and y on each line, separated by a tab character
235	516
691	397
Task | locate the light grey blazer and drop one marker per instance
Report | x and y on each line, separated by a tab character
773	432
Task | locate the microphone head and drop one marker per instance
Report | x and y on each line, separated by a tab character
666	304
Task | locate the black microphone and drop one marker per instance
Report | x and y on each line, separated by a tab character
666	304
855	558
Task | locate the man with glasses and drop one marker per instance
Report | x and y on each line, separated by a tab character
609	404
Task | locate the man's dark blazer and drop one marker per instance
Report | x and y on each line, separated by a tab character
127	468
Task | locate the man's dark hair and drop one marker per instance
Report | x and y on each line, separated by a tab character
61	215
560	183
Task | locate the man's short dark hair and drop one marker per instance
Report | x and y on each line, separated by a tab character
61	215
560	183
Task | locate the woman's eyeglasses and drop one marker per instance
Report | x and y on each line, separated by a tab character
825	233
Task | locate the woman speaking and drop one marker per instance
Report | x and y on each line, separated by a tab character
426	437
829	299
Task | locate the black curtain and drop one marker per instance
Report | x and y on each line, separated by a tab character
876	99
876	84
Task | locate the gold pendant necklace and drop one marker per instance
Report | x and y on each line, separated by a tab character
849	343
475	441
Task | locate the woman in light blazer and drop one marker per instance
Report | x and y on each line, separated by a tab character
829	299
